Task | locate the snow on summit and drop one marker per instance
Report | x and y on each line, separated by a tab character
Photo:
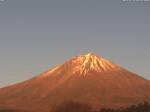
83	64
92	62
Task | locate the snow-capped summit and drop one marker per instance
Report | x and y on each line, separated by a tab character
90	62
84	64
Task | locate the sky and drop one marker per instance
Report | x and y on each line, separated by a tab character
36	35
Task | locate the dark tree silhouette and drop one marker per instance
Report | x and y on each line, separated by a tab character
72	107
142	107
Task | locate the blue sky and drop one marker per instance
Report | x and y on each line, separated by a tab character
38	34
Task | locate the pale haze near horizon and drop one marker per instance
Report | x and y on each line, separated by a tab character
39	34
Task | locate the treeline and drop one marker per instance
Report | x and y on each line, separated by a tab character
13	110
142	107
83	107
80	107
72	107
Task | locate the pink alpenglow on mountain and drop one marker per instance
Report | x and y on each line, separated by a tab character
86	78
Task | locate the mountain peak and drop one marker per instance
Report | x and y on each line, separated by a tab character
92	62
89	54
84	64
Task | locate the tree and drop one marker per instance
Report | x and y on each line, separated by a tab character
72	107
141	107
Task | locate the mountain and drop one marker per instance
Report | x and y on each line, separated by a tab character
86	78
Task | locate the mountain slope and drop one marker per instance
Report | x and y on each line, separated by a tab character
86	78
